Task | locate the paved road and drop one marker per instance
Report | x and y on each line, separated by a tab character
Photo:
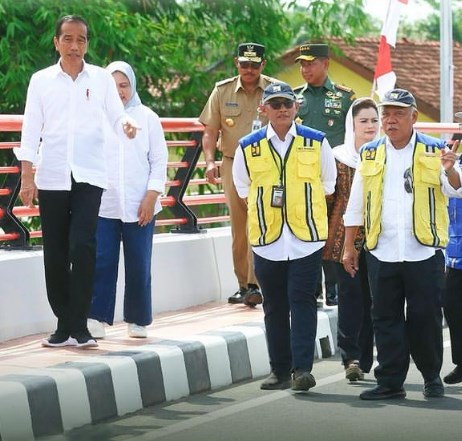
331	411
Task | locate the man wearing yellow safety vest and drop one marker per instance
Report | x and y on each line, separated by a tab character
285	170
400	196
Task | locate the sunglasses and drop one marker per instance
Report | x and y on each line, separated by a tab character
249	64
408	180
276	105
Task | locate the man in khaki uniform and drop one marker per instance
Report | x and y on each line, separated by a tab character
231	112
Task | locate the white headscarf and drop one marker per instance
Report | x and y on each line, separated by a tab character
346	152
126	69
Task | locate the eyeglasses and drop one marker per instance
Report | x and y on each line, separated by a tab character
276	105
249	64
408	180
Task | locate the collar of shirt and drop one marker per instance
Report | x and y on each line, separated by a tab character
327	85
261	83
411	142
281	146
58	70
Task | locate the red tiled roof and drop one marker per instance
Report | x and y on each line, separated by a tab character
416	65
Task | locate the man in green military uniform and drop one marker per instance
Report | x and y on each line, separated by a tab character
323	106
231	112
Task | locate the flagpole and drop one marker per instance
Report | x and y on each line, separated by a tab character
446	64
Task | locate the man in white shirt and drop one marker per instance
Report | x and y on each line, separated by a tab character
62	134
285	170
399	195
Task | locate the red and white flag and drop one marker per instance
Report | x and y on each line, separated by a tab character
384	77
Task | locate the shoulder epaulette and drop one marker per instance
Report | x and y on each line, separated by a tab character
270	79
344	88
225	81
298	88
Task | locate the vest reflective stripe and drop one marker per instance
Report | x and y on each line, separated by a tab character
304	206
372	169
261	216
430	204
430	216
309	213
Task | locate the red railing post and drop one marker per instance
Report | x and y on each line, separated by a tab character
185	219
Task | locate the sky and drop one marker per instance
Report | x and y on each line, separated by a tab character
413	10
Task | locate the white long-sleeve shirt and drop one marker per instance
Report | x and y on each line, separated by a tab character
397	242
62	129
135	166
288	246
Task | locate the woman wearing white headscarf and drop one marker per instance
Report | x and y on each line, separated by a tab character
137	176
355	335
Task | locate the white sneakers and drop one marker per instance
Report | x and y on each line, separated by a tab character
137	331
97	329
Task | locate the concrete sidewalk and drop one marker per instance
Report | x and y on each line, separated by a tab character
46	391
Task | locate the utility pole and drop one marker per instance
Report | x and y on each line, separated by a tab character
446	63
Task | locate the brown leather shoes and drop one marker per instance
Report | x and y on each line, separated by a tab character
353	372
253	296
302	380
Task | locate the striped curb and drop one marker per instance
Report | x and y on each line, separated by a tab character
49	401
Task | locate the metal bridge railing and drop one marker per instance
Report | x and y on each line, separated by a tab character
184	139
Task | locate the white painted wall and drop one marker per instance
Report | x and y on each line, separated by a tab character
187	270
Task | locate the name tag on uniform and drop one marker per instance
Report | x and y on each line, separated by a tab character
277	196
256	125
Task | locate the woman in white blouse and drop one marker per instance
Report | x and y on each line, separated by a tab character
137	175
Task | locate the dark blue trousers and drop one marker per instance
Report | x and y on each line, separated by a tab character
288	289
407	317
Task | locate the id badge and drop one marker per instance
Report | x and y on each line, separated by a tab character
256	125
277	196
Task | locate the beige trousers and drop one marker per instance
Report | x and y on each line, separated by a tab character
242	251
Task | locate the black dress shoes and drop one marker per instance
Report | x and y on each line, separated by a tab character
382	393
433	388
454	377
238	296
273	382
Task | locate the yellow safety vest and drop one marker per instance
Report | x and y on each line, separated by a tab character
430	214
299	173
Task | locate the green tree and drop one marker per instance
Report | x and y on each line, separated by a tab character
178	48
322	19
429	28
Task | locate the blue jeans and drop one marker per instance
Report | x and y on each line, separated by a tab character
289	292
137	248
